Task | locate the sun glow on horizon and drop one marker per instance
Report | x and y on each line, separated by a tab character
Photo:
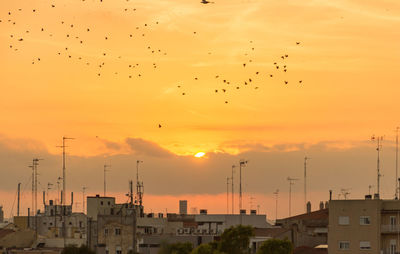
199	154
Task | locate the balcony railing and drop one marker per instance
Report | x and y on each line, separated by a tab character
390	228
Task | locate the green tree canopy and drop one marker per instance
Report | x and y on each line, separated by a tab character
276	246
235	240
175	248
75	250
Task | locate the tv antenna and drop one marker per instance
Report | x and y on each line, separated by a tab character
397	160
227	195
276	193
105	178
378	169
233	193
139	185
242	163
291	182
64	188
305	183
369	189
83	198
345	192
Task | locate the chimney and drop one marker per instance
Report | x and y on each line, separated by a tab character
243	211
326	204
330	195
308	207
253	212
203	211
44	198
72	198
376	196
321	205
368	197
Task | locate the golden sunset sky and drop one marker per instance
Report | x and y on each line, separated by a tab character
347	61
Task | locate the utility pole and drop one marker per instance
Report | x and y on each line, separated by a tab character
242	163
105	184
233	192
378	149
291	182
276	193
305	183
64	189
19	195
397	160
83	198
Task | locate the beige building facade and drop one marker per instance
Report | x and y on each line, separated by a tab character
364	226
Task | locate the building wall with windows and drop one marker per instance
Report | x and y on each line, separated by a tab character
355	226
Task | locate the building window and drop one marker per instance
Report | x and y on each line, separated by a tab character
393	246
344	220
365	220
344	245
118	250
109	203
106	231
117	231
101	202
365	245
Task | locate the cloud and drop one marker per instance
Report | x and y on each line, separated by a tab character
147	148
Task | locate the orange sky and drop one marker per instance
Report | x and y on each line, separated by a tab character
347	61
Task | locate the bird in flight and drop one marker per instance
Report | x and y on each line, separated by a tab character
206	2
159	126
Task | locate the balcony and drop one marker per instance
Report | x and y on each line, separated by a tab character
390	229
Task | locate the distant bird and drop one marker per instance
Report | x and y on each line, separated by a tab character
183	93
244	65
286	82
297	43
159	126
300	81
226	102
206	2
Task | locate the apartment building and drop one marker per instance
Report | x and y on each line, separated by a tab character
364	226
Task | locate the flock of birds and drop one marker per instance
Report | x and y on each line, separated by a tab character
75	37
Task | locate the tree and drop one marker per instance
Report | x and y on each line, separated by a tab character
207	248
175	248
276	246
72	249
235	240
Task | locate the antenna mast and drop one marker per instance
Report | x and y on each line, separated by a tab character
227	195
233	193
105	184
291	182
378	149
139	185
242	163
305	183
83	198
397	160
276	193
64	189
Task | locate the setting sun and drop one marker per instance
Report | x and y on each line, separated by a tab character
199	154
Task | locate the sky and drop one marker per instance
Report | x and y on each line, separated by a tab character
110	73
